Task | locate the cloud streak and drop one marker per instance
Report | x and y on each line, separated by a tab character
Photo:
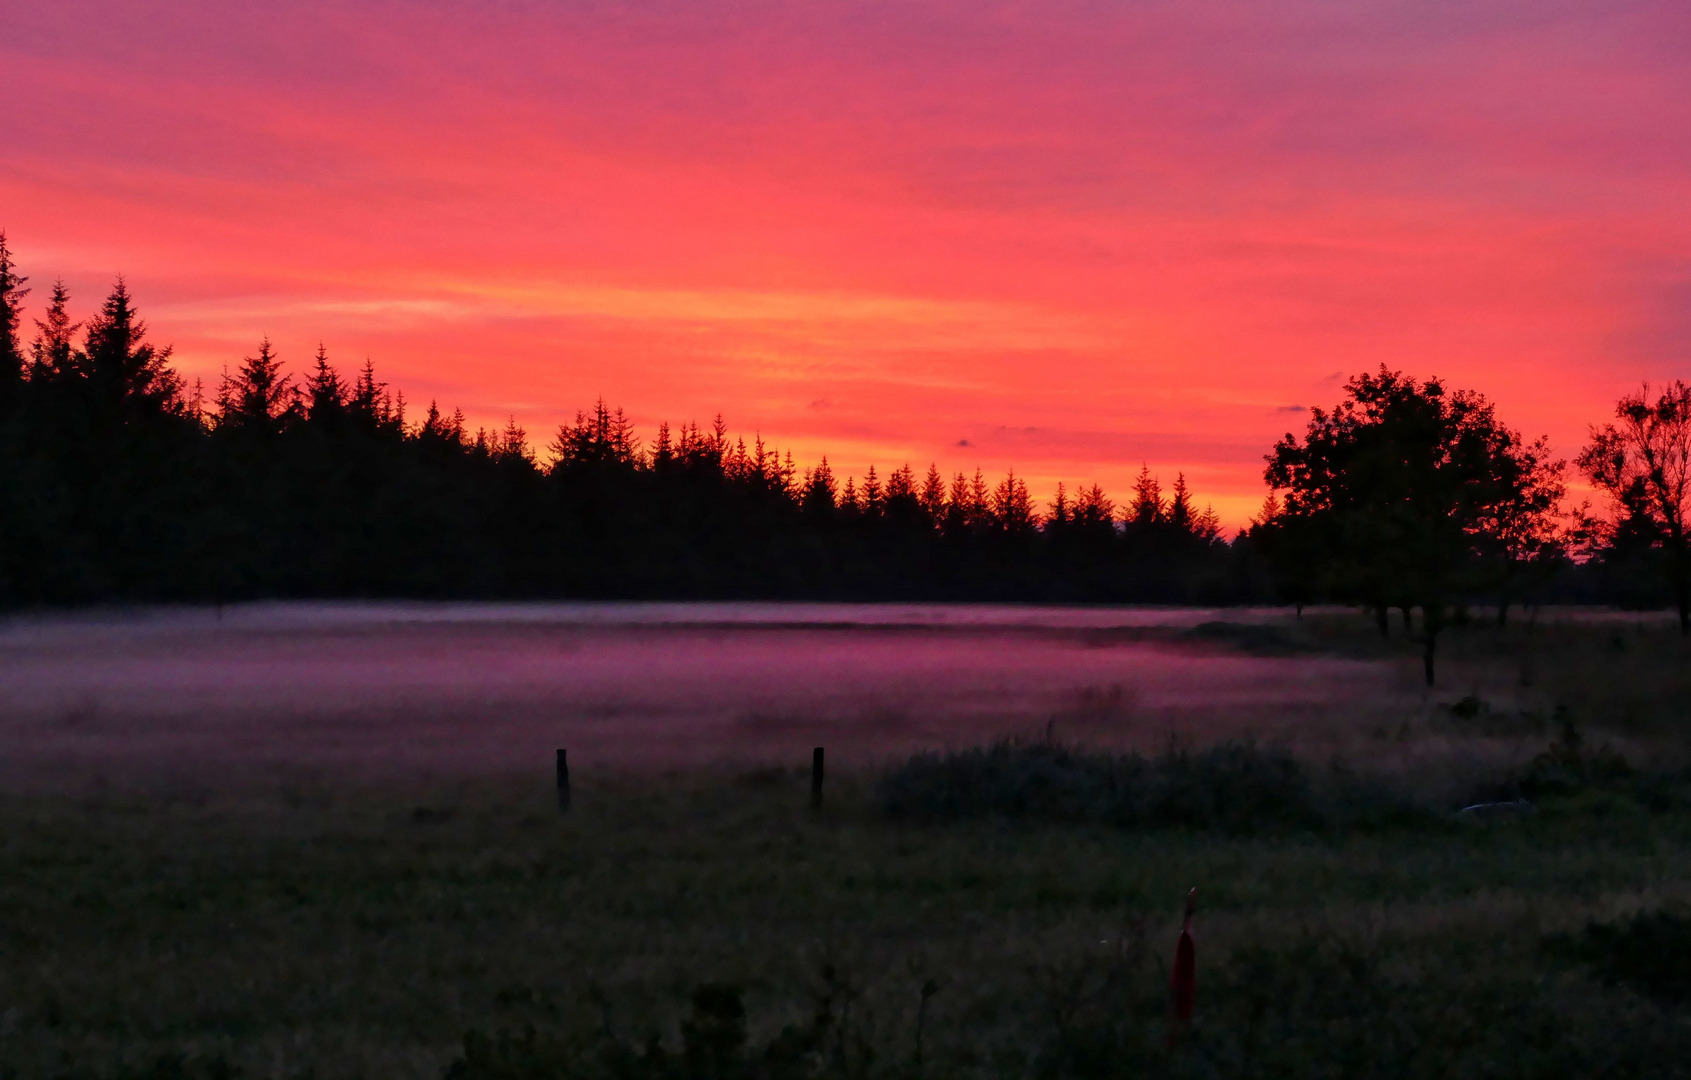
1125	230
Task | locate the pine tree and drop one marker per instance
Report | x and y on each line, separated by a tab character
51	355
933	495
980	501
1206	524
258	398
819	490
1059	515
789	477
325	393
371	407
1011	508
602	437
1094	509
871	499
129	377
1147	507
1180	511
12	292
956	518
511	447
441	431
901	484
663	455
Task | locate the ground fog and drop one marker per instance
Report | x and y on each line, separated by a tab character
443	690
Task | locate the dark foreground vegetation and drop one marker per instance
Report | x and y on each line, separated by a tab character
120	482
714	927
1008	911
1242	788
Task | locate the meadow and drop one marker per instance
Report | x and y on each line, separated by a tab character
184	895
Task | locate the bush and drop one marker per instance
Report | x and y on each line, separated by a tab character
1233	787
713	1047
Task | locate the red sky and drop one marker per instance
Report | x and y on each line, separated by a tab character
1067	237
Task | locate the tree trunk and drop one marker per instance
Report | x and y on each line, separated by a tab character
1408	620
1298	607
1432	621
1382	616
1682	590
1680	565
1502	612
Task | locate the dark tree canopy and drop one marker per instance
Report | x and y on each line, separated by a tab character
12	292
1643	462
1403	491
119	482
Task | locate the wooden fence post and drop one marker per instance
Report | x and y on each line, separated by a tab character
563	782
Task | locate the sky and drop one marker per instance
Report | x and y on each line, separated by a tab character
1070	238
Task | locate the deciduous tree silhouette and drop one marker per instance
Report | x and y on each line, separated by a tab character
1643	462
1292	545
1406	482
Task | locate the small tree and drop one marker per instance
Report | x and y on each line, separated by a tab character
1291	544
1402	486
1643	463
1525	537
52	354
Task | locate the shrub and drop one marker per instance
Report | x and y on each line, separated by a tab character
1232	787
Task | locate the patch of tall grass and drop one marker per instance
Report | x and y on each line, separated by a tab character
1241	788
1234	787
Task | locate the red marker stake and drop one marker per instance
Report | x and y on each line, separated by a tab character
1183	983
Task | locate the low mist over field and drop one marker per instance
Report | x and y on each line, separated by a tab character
462	689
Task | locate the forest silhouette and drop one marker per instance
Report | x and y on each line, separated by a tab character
121	482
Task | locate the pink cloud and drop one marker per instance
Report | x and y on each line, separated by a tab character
1121	232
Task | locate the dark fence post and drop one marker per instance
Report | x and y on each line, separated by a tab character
816	779
563	781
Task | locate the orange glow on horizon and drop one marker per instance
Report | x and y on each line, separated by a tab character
1060	238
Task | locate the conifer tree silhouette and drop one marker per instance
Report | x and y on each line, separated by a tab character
128	378
259	399
12	292
52	356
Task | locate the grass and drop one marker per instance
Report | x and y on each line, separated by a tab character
1233	787
987	913
340	934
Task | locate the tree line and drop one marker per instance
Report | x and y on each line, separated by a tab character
120	481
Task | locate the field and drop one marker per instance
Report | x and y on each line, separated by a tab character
323	842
